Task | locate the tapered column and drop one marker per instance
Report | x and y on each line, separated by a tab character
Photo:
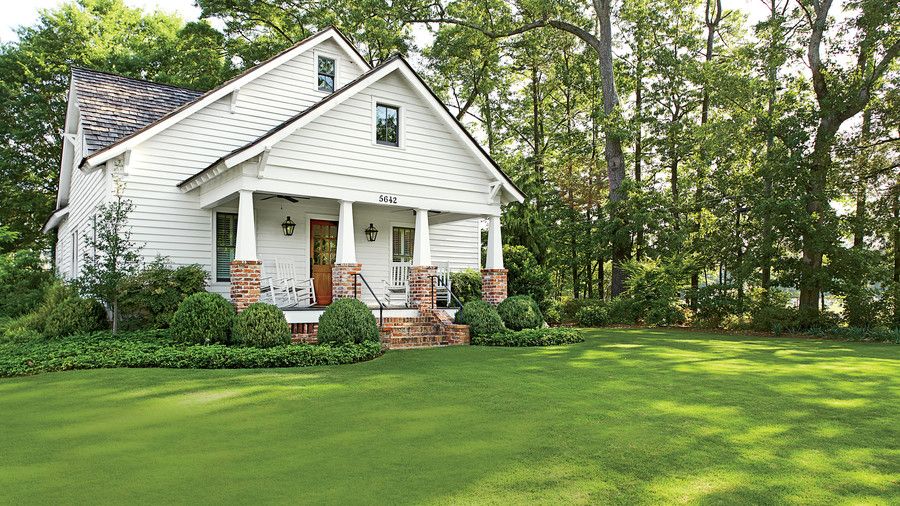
344	283
245	268
494	276
421	281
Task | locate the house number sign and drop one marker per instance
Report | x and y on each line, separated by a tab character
387	199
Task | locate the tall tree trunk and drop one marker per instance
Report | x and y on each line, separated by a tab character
895	207
859	217
601	278
615	157
638	137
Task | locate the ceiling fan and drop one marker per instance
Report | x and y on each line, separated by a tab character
292	200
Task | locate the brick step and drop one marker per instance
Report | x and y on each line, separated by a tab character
422	341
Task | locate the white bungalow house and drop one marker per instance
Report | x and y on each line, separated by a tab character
310	177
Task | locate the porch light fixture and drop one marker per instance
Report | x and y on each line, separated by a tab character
288	227
371	233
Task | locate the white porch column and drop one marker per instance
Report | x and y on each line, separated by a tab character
494	259
422	240
346	245
245	242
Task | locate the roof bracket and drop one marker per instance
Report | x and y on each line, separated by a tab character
495	189
234	98
263	159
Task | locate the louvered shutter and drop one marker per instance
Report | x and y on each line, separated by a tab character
226	235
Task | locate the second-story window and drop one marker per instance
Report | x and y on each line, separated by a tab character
387	125
326	69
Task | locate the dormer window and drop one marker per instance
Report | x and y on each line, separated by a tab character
326	70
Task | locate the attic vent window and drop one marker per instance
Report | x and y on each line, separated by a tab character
326	73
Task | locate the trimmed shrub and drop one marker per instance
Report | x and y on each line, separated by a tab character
150	298
261	325
592	316
531	337
156	349
466	285
481	317
75	316
203	318
347	321
520	312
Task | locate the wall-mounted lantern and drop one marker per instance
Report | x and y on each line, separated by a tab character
371	233
288	227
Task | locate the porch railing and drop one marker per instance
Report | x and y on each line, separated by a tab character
380	305
440	280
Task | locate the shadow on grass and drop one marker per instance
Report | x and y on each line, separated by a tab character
628	416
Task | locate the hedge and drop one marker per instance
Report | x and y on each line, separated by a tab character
520	312
347	321
531	337
156	349
261	325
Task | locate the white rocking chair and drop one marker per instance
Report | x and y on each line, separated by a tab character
283	288
396	288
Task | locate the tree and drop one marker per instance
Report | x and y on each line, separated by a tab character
111	256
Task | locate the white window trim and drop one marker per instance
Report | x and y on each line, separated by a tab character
74	259
337	71
401	117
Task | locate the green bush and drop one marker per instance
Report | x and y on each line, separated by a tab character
347	321
520	312
622	311
481	317
203	318
525	276
157	349
531	337
552	311
466	285
261	325
150	298
874	334
75	316
24	274
592	316
570	307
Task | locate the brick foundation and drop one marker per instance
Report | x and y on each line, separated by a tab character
421	294
493	285
245	275
342	279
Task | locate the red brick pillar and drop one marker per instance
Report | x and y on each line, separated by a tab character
245	276
342	279
493	285
421	295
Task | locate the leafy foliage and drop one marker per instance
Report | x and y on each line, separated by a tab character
549	336
203	318
261	325
347	321
592	316
150	298
75	315
481	317
525	276
24	279
520	312
156	349
466	285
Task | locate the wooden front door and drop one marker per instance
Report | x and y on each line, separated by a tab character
322	251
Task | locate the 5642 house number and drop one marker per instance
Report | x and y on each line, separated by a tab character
387	199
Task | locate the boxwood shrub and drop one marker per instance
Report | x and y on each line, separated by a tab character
592	316
203	318
481	317
520	312
531	337
261	325
347	321
75	315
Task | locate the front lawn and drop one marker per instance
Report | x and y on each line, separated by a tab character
627	416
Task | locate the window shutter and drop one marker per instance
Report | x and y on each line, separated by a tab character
226	235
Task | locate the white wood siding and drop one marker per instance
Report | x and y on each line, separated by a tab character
337	151
171	223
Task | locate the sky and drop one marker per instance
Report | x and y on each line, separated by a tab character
25	12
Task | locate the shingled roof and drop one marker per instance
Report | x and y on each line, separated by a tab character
113	106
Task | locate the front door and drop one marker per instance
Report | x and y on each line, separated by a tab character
322	248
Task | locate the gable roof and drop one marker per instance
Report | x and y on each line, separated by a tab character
296	122
136	137
112	106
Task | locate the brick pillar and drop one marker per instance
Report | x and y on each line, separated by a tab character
420	294
342	278
493	285
245	276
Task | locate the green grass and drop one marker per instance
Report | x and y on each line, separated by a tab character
629	416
